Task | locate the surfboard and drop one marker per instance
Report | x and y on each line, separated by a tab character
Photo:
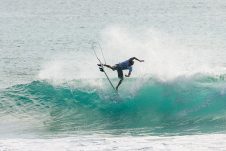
101	67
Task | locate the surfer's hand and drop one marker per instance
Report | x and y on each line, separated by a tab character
141	60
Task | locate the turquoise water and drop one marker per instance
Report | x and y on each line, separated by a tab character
183	106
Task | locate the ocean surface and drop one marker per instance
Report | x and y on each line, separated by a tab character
53	96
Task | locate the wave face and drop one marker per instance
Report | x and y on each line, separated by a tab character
194	105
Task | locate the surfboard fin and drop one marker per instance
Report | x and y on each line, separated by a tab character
101	69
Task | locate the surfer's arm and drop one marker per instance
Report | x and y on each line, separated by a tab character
128	75
134	58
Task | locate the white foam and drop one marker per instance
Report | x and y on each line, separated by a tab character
94	142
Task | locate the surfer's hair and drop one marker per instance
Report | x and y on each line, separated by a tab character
131	62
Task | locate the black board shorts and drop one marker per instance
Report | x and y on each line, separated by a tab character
119	70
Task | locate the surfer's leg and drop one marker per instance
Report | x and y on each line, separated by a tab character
120	76
119	84
108	66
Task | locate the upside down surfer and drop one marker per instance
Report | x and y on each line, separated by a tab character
126	65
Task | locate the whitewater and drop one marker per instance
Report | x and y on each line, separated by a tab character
53	96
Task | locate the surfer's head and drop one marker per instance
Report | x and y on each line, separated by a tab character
131	62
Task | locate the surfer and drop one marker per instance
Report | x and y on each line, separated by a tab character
126	65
